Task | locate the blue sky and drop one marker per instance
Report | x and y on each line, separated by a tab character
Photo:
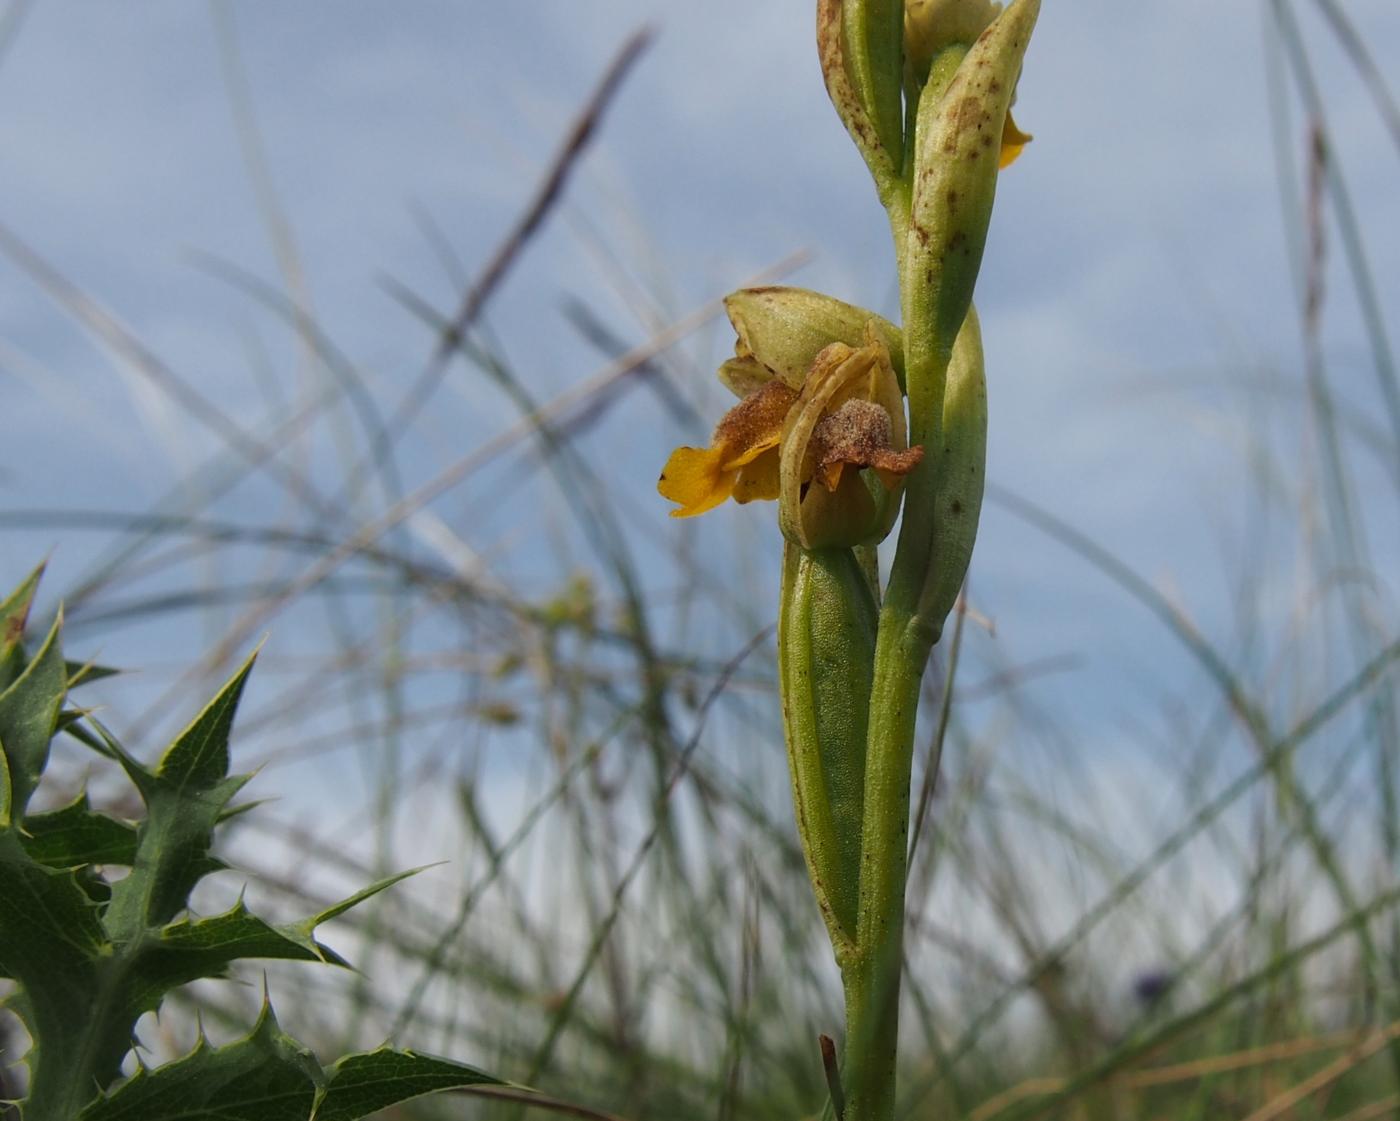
1136	295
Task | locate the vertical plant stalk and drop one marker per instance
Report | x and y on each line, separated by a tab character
956	150
821	407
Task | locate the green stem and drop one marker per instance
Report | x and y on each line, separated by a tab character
872	978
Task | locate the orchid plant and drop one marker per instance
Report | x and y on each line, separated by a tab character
848	422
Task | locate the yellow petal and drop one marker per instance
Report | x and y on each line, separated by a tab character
758	481
1012	141
697	480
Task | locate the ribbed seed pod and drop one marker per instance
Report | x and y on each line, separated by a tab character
826	657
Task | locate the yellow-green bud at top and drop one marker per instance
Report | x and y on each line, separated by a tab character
932	25
780	331
959	140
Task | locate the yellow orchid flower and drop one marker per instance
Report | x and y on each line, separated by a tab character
796	445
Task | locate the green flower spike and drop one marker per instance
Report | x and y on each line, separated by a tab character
842	418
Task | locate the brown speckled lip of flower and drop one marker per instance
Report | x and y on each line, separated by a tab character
757	415
858	434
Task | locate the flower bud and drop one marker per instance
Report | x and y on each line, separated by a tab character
930	26
782	330
958	152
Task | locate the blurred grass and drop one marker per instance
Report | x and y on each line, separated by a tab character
625	921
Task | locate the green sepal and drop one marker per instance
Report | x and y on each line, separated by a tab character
780	330
362	1084
874	46
267	1076
850	103
826	649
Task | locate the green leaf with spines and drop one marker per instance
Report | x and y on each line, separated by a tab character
267	1076
373	1080
29	710
14	615
192	949
52	944
335	910
85	673
198	759
74	835
186	797
89	960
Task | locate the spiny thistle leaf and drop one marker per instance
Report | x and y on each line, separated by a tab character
189	950
198	759
335	910
14	614
365	1083
266	1077
195	948
88	960
85	673
185	799
74	835
29	710
52	943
